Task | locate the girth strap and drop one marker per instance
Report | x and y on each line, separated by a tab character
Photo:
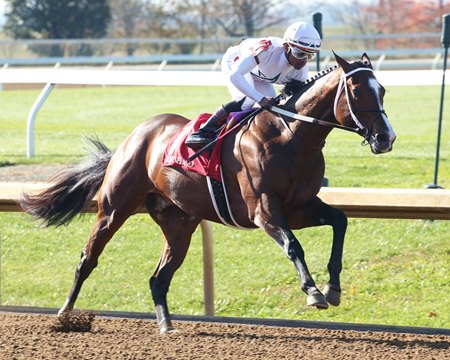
219	198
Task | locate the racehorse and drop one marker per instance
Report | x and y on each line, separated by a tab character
273	169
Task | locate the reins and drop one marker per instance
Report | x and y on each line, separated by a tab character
342	86
360	129
309	119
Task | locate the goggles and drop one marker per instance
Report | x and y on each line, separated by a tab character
300	54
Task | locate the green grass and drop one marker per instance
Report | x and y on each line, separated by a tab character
113	112
395	271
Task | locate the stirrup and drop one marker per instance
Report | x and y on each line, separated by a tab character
200	138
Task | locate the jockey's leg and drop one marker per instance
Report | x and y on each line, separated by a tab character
207	132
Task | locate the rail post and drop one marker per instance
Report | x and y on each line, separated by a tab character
445	41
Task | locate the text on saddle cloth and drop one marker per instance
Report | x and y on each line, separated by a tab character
208	163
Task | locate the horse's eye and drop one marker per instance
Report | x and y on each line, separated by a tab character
356	92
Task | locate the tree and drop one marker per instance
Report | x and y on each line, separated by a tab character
248	18
393	17
208	19
134	19
407	16
50	19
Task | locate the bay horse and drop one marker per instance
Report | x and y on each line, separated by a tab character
273	169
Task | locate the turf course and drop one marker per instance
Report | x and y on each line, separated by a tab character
395	271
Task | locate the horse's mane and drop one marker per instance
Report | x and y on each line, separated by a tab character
295	86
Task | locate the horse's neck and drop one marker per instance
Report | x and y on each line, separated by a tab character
318	100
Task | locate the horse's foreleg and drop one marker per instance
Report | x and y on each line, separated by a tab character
273	223
178	228
317	213
338	220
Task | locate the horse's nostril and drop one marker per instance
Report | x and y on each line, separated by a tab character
381	138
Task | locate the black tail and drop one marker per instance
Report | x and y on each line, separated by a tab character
72	189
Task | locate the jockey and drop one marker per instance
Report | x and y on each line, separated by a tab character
253	66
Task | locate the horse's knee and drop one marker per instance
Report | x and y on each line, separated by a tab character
333	216
340	220
293	250
339	217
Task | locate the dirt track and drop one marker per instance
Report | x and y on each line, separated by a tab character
24	336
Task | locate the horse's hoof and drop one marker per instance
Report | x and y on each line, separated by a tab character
318	300
62	313
332	294
165	327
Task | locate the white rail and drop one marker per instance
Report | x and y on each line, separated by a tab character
51	77
179	78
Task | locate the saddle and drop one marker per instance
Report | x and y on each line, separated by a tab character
208	163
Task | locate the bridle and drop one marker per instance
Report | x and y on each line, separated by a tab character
342	86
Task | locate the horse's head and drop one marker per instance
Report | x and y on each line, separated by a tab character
359	100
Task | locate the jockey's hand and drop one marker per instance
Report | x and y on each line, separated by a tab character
268	102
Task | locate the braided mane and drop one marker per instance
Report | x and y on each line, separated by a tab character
295	85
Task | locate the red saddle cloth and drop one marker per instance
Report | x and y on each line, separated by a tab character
177	153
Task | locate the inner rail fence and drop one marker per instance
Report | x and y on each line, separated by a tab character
355	202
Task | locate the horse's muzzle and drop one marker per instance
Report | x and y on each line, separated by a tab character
381	143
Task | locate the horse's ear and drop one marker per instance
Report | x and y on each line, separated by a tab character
366	61
342	63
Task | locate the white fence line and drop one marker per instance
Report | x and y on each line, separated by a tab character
391	55
52	77
180	78
385	59
112	77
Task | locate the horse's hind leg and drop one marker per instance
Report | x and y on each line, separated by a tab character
178	228
104	228
120	196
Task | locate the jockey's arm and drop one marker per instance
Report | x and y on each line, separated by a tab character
237	77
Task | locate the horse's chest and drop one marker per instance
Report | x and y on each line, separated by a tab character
288	170
303	180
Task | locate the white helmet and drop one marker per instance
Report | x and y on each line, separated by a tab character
303	39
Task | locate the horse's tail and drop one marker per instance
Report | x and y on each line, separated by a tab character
72	189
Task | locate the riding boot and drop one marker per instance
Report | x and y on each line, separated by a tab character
207	132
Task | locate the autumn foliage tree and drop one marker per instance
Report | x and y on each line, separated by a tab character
407	16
